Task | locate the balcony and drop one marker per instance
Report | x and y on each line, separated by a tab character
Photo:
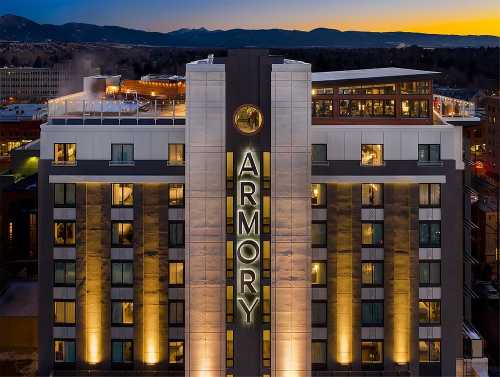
75	109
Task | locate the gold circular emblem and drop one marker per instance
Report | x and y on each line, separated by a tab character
248	119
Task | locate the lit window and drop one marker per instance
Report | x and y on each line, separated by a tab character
64	154
430	273
429	351
372	155
319	153
122	233
176	273
430	195
318	234
123	194
229	214
266	259
229	259
122	153
266	163
415	108
372	313
318	276
122	313
64	194
64	273
64	312
318	195
122	351
429	152
229	349
176	352
322	108
429	312
176	234
416	87
64	351
229	303
176	195
176	154
372	352
122	273
372	273
372	195
318	354
266	348
266	214
266	304
229	170
430	233
176	312
64	233
318	313
372	234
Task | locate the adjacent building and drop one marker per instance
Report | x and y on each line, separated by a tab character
281	222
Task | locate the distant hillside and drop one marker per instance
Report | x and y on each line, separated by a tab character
15	28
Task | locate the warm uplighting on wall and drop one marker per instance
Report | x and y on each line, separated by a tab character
344	308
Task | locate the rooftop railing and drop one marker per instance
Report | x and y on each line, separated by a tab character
67	111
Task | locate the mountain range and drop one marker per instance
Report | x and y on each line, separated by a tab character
20	29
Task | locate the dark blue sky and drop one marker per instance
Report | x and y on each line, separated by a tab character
443	16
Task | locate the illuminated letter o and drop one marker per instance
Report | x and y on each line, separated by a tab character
248	244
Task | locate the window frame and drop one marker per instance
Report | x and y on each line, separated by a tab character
65	262
177	364
429	341
427	150
372	303
429	195
177	163
373	245
368	363
428	263
323	187
119	243
121	203
320	245
180	205
122	323
176	284
122	284
315	162
373	262
176	245
428	321
121	161
65	204
325	322
183	319
322	365
64	341
364	205
122	341
65	160
330	108
65	243
65	323
429	234
382	160
325	266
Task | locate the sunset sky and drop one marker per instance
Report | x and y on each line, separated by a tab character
429	16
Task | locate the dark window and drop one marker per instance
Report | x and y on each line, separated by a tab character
372	234
429	351
429	152
64	194
319	153
429	312
122	313
319	234
322	108
430	233
64	273
122	351
430	273
318	354
319	313
64	233
430	195
372	313
122	233
176	233
372	195
372	273
64	351
122	273
122	153
176	312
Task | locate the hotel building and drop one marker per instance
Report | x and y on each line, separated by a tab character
282	223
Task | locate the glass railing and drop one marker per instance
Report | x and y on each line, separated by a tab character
77	111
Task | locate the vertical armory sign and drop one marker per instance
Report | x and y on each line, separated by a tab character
248	234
